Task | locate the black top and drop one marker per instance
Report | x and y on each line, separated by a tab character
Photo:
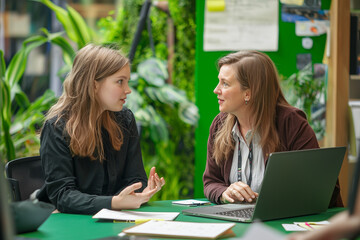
79	185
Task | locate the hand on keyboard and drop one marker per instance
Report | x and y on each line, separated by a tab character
239	192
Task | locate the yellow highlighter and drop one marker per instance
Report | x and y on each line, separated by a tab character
137	221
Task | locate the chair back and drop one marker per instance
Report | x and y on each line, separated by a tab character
25	176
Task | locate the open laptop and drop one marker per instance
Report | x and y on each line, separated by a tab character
295	183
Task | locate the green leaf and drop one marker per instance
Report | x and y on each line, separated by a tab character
67	49
21	99
158	128
153	71
189	113
134	79
173	94
81	29
63	17
134	100
155	94
143	117
6	120
17	64
2	65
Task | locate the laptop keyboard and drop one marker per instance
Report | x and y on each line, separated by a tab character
240	213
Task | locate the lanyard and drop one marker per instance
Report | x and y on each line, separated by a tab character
250	159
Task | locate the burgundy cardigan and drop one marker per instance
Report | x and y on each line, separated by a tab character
294	132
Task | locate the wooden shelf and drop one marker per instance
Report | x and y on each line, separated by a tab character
94	10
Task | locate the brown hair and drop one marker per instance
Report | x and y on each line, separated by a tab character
255	71
79	105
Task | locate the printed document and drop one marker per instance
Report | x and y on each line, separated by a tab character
134	215
181	229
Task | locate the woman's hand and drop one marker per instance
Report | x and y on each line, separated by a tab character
154	182
129	199
238	192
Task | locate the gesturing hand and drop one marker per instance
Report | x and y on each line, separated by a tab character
129	199
154	182
238	192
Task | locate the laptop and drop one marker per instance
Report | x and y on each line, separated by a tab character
295	183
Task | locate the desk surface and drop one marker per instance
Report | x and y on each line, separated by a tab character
72	226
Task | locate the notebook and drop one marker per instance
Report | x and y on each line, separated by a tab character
295	183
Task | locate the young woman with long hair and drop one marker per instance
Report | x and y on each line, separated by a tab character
254	121
90	146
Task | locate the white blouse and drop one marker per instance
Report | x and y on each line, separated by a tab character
258	166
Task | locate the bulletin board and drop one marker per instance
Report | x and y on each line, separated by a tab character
289	46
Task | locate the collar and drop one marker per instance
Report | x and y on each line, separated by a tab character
237	135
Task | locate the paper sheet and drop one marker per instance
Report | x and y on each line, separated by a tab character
246	24
180	229
134	215
297	226
293	227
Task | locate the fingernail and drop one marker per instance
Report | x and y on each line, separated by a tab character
250	200
253	196
241	199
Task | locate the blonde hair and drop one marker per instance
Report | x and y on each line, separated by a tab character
255	71
79	106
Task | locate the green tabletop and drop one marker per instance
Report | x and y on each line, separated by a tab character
73	226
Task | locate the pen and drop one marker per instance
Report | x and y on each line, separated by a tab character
198	204
137	221
309	225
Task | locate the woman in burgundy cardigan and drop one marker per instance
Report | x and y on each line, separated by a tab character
254	121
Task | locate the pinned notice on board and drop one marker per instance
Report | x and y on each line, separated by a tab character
293	2
215	5
245	24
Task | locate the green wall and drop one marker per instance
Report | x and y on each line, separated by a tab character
206	78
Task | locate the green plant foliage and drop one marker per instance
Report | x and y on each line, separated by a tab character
122	28
163	129
20	119
74	25
152	90
304	91
183	14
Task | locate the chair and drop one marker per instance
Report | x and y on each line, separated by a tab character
25	176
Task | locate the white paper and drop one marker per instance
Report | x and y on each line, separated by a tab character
246	24
190	202
319	223
183	229
293	227
134	215
296	227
